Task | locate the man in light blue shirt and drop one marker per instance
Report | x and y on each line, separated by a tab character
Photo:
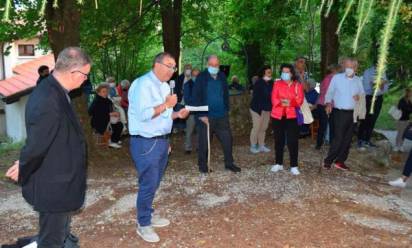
368	124
344	91
150	122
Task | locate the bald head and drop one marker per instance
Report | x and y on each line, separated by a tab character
213	61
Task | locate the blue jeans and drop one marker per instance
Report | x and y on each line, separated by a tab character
150	157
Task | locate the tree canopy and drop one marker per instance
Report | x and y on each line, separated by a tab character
122	36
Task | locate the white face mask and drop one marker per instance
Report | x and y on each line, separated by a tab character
349	72
188	72
266	78
112	85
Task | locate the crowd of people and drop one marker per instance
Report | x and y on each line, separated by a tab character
340	105
52	165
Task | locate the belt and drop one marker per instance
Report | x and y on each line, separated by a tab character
344	110
165	136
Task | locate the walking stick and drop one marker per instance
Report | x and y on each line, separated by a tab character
322	149
208	148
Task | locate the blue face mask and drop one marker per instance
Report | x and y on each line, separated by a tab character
213	70
193	79
285	76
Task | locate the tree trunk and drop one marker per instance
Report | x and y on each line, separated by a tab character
255	59
329	38
63	28
63	25
171	12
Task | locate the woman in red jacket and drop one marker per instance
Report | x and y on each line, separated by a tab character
287	96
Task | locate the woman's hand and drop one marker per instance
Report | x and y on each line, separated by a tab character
285	102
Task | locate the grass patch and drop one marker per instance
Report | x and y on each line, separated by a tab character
385	121
9	152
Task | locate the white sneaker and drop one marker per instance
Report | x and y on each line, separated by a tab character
157	221
398	183
114	145
119	143
276	168
148	234
31	245
295	171
254	149
264	149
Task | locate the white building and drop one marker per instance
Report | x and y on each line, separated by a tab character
19	61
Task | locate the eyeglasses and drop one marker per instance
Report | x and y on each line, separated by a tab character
84	74
171	68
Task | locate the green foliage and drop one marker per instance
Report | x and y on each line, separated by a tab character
122	36
21	22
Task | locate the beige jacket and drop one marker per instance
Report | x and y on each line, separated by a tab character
359	113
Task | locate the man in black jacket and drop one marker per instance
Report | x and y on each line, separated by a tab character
52	168
211	89
43	73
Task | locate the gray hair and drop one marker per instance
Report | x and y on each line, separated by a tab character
349	59
212	56
161	56
110	79
124	83
71	58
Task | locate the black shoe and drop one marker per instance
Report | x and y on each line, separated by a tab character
233	168
205	171
188	152
327	166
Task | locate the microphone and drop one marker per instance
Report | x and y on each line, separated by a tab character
172	85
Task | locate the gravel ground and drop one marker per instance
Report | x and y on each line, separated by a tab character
255	208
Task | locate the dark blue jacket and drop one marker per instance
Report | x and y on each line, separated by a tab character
262	96
188	92
179	87
200	90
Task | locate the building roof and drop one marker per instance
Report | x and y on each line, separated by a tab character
25	78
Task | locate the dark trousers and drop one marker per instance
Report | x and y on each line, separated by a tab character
116	132
367	125
407	170
220	127
343	131
150	157
54	229
286	128
324	120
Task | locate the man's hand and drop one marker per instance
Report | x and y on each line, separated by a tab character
115	114
171	100
205	120
356	98
13	171
328	108
183	113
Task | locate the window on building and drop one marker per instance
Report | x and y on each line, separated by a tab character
26	50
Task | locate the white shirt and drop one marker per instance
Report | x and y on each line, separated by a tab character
369	82
341	91
145	94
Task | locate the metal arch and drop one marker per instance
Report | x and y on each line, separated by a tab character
223	37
